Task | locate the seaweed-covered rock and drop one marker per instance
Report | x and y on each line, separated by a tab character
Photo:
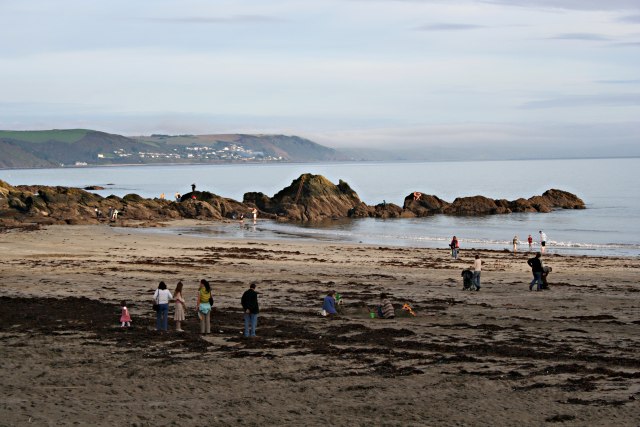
424	204
309	198
475	205
559	199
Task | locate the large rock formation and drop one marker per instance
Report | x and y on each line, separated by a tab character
62	205
308	198
425	205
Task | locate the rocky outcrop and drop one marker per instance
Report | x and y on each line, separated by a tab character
476	205
62	205
308	198
425	205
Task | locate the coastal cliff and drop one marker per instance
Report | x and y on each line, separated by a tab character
309	198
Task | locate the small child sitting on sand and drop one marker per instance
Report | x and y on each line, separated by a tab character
125	317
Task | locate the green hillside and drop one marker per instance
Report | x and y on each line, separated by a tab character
68	136
82	147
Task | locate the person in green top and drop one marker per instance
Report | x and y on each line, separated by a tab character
203	306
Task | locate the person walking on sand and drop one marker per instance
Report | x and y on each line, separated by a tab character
530	241
180	308
455	247
125	317
537	270
515	244
251	309
203	306
477	269
543	241
329	304
162	296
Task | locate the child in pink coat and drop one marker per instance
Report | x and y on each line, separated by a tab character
125	317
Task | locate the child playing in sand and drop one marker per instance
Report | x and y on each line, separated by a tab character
125	317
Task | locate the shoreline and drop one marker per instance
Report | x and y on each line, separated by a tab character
231	230
328	162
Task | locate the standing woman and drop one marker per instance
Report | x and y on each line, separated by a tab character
204	306
162	297
455	247
515	244
181	306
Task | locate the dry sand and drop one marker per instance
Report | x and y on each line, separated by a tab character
500	356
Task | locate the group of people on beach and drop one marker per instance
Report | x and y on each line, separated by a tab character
162	297
471	276
455	244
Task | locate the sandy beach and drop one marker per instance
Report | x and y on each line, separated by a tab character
500	356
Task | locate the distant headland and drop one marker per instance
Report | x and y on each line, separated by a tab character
84	147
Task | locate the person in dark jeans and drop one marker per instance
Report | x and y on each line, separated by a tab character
250	306
537	270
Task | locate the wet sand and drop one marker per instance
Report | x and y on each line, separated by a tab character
500	356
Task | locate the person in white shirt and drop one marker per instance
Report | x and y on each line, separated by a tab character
477	268
543	241
162	296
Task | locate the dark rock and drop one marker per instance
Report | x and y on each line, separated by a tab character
563	199
475	205
308	198
424	204
94	188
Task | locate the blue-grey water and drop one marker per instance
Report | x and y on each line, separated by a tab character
609	226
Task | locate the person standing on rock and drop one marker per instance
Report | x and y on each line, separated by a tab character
251	309
477	269
543	241
537	270
193	188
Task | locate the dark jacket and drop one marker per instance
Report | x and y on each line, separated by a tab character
535	264
250	301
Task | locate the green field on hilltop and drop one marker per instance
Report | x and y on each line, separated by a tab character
38	136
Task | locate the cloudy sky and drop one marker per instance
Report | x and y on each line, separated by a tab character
345	73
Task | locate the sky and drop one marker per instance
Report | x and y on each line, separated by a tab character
383	74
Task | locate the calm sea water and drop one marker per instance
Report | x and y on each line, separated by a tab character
610	187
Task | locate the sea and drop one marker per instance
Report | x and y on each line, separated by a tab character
610	226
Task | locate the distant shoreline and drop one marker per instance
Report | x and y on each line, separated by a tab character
342	162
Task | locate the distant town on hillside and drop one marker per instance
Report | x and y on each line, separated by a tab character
80	147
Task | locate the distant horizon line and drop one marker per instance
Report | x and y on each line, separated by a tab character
325	162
